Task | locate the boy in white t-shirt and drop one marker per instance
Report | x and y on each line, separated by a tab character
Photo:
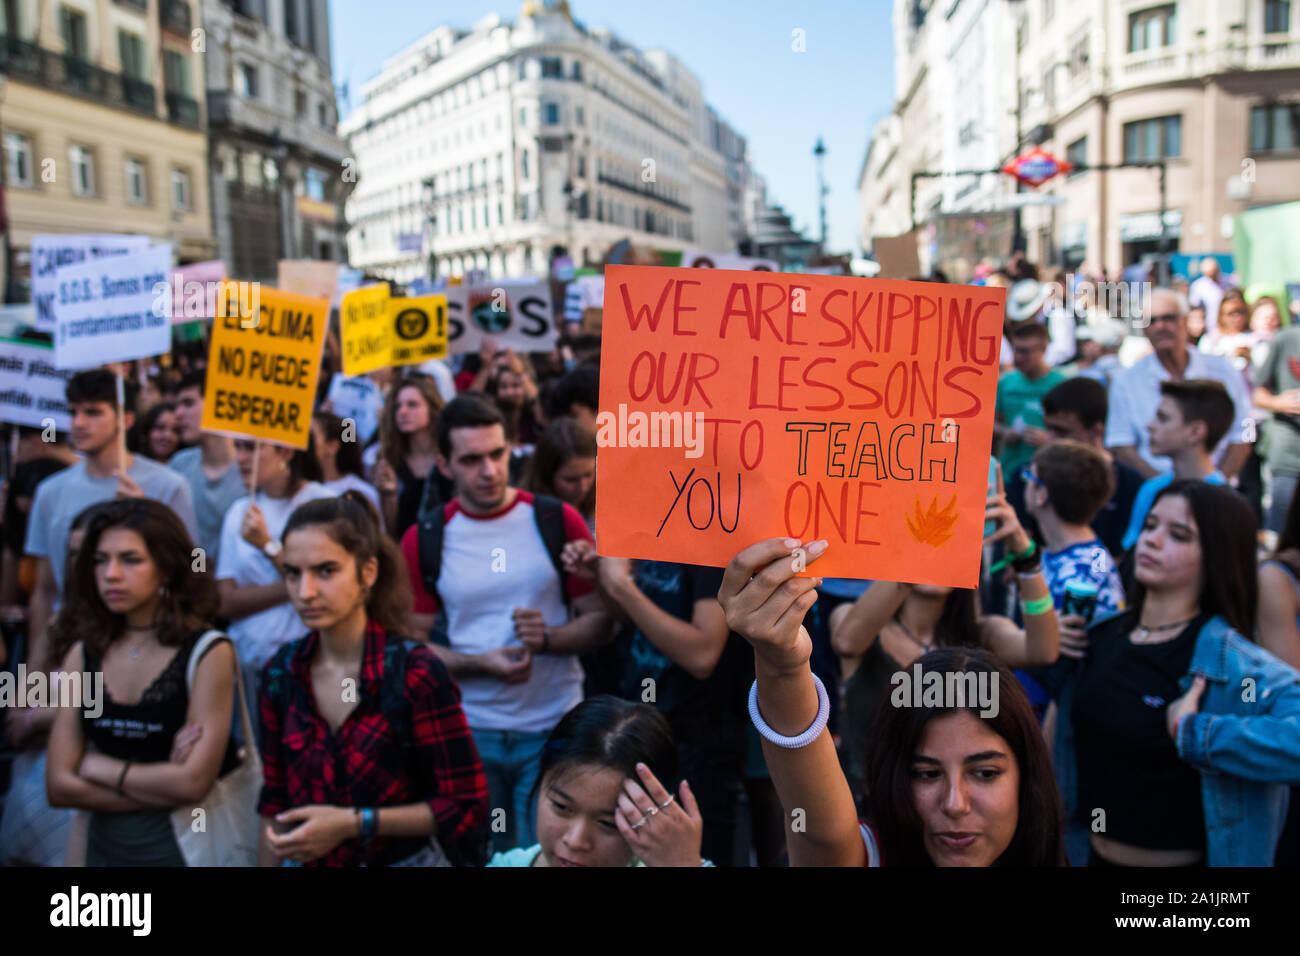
511	645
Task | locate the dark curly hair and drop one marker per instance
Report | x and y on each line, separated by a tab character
189	597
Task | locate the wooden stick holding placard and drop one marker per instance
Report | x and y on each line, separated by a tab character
252	478
121	423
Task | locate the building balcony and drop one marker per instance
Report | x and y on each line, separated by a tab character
26	62
139	93
182	109
1168	64
643	193
230	112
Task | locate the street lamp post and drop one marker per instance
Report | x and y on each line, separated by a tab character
819	152
431	220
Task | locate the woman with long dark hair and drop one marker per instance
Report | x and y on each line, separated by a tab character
408	441
599	797
141	610
1185	731
563	465
981	789
385	772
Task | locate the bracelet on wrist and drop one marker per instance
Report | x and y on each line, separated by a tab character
803	739
546	640
1042	605
121	779
1023	558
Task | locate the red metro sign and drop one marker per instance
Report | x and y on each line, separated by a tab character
1036	167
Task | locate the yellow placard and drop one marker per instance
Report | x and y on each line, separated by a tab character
367	331
263	366
419	329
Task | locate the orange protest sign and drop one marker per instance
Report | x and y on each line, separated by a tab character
737	406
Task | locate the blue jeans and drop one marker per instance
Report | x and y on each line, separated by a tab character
511	761
1282	487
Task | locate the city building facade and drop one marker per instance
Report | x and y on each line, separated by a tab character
497	148
103	121
1210	90
279	170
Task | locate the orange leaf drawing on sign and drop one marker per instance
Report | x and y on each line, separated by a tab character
932	526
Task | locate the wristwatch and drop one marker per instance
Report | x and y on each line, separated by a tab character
272	549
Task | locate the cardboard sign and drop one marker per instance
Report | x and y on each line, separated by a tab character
309	277
897	256
699	259
262	379
32	390
738	406
419	329
516	312
109	309
195	291
54	252
367	333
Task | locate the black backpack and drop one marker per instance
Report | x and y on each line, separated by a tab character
548	512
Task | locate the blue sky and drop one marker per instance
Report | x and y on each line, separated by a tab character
781	101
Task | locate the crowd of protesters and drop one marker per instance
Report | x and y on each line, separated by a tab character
403	645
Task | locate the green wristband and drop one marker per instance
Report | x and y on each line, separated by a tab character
1037	606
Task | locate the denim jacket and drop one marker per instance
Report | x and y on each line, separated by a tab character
1244	740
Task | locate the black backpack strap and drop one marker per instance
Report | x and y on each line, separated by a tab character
548	512
392	689
428	537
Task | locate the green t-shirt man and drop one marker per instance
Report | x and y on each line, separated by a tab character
1020	405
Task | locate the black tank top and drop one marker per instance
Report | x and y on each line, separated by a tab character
143	732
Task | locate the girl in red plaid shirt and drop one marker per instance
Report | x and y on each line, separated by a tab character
367	759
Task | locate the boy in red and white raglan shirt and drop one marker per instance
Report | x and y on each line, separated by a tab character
489	560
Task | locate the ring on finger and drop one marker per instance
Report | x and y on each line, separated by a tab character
664	805
639	824
651	812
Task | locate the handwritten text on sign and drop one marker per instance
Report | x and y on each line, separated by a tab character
367	331
262	375
106	309
737	406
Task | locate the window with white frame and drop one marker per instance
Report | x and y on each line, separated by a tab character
1153	28
180	190
18	160
82	161
137	182
248	80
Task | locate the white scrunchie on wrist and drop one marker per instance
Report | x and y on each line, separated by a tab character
805	738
